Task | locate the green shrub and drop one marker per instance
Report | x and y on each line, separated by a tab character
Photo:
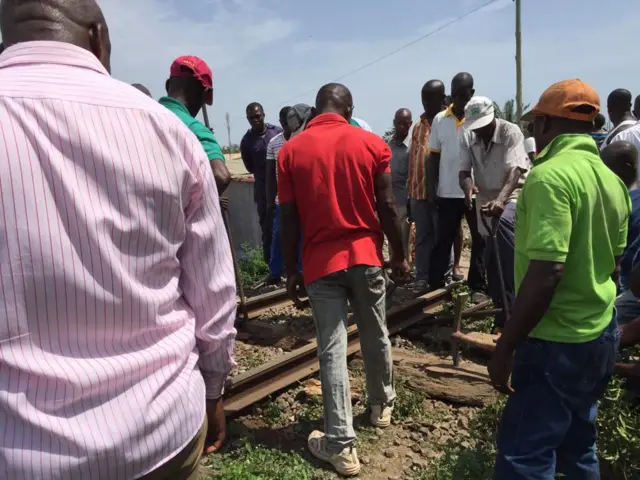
253	268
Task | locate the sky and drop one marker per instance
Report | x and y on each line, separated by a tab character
279	52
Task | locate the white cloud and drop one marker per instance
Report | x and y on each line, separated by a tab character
258	52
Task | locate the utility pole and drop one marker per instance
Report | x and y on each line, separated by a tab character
518	61
227	118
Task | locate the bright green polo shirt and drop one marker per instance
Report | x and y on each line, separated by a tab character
205	136
573	210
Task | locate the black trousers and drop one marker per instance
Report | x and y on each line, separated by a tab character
260	197
450	213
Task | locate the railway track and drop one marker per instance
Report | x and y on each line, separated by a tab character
259	304
257	384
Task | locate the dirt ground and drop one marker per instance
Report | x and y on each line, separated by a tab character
433	406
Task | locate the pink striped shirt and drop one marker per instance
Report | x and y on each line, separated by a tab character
117	292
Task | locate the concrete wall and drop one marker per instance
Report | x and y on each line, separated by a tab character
243	215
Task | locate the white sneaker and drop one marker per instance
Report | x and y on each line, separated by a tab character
381	415
346	462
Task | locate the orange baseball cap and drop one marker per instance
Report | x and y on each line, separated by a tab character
562	98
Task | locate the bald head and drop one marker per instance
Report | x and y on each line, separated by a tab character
636	107
142	88
622	159
461	92
402	122
335	98
619	105
432	98
462	80
77	22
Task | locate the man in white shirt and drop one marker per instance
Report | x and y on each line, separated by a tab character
493	163
444	189
619	109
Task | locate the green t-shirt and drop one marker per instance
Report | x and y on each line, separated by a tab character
573	210
205	136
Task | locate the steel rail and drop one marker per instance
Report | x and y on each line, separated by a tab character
254	385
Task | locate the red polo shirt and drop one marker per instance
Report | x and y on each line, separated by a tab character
329	172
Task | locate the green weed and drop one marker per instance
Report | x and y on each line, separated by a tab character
254	462
253	268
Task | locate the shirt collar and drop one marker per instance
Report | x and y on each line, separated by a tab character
405	142
170	100
52	53
327	119
579	142
449	113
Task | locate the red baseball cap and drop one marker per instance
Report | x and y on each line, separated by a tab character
190	66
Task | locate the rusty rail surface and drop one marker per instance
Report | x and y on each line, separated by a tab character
256	384
259	304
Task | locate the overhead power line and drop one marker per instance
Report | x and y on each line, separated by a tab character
397	50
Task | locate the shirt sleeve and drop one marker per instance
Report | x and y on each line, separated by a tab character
270	152
286	192
209	143
465	153
548	221
247	159
383	160
516	154
207	278
435	143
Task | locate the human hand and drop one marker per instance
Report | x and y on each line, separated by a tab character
468	196
224	203
500	369
400	271
493	209
217	426
296	288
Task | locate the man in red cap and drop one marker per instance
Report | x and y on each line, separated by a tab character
561	342
189	87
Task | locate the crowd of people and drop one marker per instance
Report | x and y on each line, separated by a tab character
117	278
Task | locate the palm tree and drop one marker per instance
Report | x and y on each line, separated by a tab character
508	111
388	135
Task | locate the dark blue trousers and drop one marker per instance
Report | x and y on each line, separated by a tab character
549	423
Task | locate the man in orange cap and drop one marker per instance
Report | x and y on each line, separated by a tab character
189	87
561	343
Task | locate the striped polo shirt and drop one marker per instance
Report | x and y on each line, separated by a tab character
273	149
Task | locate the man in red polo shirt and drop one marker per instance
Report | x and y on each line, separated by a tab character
335	186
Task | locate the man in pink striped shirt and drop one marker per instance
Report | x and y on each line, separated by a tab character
117	292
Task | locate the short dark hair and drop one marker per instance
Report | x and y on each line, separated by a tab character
283	113
599	121
254	105
622	158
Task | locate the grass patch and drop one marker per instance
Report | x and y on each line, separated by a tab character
312	410
253	268
619	434
408	402
272	413
254	462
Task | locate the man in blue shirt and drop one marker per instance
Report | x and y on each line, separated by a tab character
253	149
622	158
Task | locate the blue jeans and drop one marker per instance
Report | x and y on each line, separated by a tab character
627	307
505	235
276	262
549	423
